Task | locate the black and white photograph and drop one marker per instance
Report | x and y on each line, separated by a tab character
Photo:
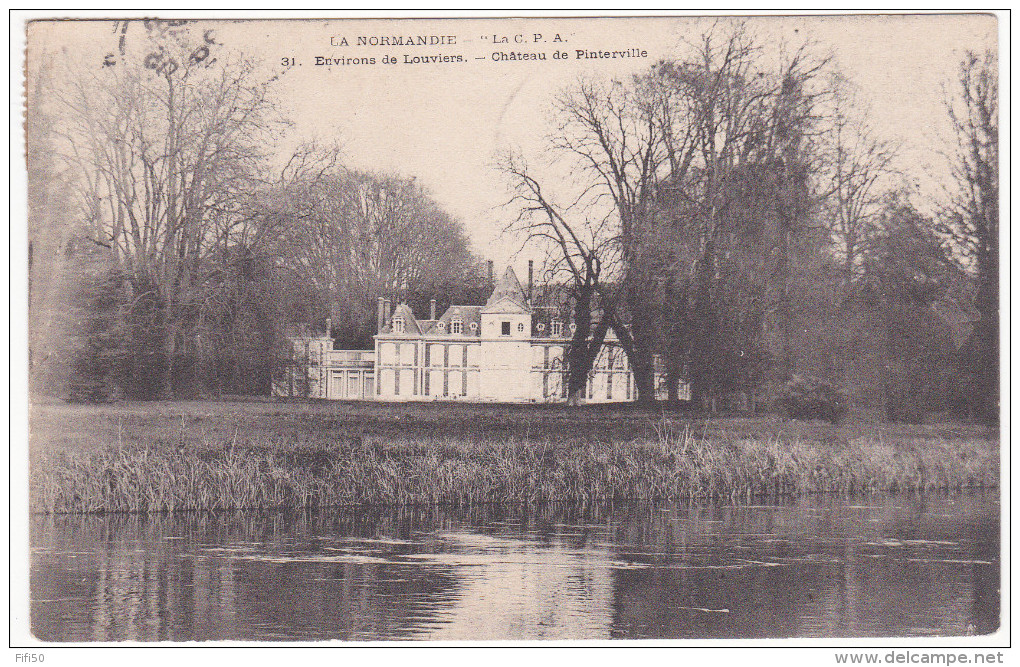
541	330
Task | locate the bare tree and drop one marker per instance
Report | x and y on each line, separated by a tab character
169	146
736	125
855	164
971	218
582	250
53	235
354	236
609	131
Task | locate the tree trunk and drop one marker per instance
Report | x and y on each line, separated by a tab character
577	368
165	390
584	345
704	326
641	358
986	331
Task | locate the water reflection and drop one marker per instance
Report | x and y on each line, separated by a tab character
900	566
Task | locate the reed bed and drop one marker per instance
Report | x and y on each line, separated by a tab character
670	463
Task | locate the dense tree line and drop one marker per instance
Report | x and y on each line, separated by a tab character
194	256
738	219
734	221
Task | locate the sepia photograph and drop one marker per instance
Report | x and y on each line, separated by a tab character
537	330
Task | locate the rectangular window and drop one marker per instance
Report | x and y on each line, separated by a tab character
506	328
456	327
414	373
609	375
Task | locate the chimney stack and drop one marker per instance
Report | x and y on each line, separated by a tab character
491	280
386	312
432	309
531	278
379	315
329	327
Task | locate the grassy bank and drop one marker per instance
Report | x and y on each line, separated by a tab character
206	456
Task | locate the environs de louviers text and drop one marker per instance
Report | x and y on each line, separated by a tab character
507	48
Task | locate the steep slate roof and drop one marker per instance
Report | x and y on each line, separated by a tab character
410	323
545	317
507	296
468	314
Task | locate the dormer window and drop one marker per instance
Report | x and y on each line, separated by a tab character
442	327
398	325
557	328
456	326
573	327
541	327
473	326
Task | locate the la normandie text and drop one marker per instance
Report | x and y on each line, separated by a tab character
395	40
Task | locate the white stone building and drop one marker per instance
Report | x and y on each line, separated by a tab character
505	351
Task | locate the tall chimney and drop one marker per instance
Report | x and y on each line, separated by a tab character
531	278
329	327
386	313
432	309
379	317
491	280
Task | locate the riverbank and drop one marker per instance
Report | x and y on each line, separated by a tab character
217	456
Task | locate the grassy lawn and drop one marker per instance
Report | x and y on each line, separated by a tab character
258	454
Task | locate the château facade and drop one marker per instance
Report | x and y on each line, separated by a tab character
505	351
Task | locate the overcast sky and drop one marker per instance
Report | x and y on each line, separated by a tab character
443	123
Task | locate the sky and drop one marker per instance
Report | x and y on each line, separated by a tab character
445	123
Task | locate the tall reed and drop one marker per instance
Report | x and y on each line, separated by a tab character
675	463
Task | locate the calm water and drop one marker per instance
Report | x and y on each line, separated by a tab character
904	565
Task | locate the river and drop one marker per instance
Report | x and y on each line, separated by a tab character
906	565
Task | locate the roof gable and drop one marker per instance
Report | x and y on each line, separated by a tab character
467	314
506	305
410	323
507	295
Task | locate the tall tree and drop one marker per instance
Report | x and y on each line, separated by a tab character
608	130
971	218
355	236
906	272
581	252
737	126
855	165
55	260
169	143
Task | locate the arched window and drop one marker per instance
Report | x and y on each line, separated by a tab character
474	326
557	328
520	327
442	327
398	325
456	326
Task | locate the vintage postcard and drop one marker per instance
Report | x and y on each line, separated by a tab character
609	330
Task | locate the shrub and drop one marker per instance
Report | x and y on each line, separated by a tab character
805	397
